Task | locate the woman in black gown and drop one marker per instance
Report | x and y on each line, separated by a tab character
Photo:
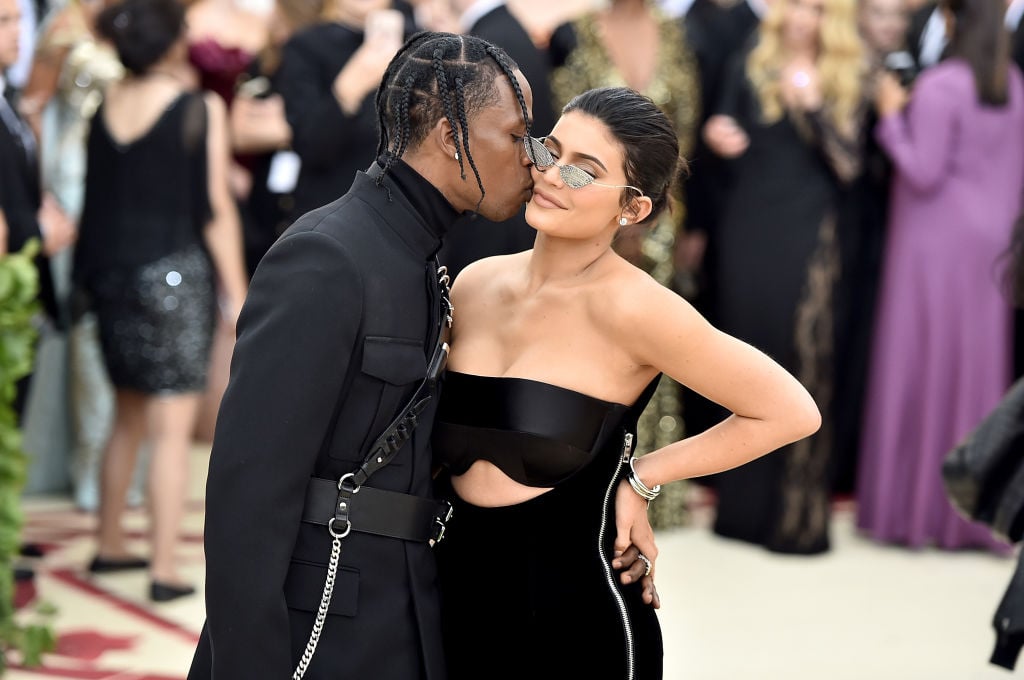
327	78
555	353
789	119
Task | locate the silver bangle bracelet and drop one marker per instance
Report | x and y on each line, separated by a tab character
641	489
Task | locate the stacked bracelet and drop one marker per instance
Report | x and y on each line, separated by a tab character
641	489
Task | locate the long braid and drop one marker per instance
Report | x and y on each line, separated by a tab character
403	116
380	101
437	61
460	102
435	75
503	63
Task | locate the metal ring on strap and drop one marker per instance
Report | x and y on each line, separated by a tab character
350	475
335	534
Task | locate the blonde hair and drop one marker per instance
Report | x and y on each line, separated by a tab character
841	62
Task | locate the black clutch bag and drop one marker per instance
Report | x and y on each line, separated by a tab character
983	475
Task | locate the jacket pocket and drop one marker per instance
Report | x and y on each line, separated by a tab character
397	361
304	587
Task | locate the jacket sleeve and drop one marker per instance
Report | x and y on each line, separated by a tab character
296	336
22	224
920	140
321	131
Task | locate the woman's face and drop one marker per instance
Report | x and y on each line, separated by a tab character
801	24
560	211
883	24
354	12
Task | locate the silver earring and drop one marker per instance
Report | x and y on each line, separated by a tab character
456	155
622	221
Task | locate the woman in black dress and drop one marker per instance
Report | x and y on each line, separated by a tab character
327	77
157	226
260	131
555	351
789	119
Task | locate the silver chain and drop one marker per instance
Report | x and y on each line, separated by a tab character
321	614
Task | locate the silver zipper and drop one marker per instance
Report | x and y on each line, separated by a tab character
627	450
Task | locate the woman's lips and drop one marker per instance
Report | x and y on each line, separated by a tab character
546	201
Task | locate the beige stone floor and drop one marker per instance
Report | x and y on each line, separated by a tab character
730	611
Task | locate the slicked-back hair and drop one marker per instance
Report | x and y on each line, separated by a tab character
435	75
648	139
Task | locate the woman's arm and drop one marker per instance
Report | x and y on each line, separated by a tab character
723	132
919	139
42	84
323	119
223	232
770	408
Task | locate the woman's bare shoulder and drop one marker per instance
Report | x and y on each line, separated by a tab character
630	300
487	274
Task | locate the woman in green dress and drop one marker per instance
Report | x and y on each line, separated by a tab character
632	43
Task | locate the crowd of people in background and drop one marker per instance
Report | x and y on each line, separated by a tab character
856	173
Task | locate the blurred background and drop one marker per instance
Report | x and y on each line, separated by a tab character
852	209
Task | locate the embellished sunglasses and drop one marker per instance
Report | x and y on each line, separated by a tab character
574	177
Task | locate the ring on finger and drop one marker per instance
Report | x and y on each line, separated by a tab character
647	563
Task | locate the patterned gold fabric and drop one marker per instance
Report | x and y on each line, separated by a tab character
675	87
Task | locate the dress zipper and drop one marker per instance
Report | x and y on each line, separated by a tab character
627	450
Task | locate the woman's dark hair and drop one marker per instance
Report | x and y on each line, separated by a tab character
980	38
142	31
435	75
649	142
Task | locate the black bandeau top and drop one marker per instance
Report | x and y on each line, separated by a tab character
536	433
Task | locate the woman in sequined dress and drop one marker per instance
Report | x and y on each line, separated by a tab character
158	226
632	43
70	72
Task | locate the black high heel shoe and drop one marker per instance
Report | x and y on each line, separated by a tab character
102	565
165	592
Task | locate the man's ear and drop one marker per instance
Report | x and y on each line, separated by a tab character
442	136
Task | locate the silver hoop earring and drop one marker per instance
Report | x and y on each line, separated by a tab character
622	221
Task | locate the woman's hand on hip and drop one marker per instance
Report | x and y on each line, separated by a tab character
634	538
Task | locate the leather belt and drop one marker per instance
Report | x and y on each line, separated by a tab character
379	512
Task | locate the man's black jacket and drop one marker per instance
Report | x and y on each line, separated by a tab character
342	313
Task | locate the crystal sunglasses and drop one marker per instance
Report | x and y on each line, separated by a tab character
574	177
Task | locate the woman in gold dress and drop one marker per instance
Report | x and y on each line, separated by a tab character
632	43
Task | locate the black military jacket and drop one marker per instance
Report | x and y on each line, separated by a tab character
343	312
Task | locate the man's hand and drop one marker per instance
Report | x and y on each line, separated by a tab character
634	537
57	228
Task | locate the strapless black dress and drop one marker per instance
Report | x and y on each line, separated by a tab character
528	590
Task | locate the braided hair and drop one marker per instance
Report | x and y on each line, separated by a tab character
435	75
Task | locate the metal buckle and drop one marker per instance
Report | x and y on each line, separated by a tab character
441	524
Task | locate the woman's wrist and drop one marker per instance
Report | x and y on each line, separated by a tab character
646	492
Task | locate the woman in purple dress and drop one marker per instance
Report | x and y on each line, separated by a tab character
942	346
